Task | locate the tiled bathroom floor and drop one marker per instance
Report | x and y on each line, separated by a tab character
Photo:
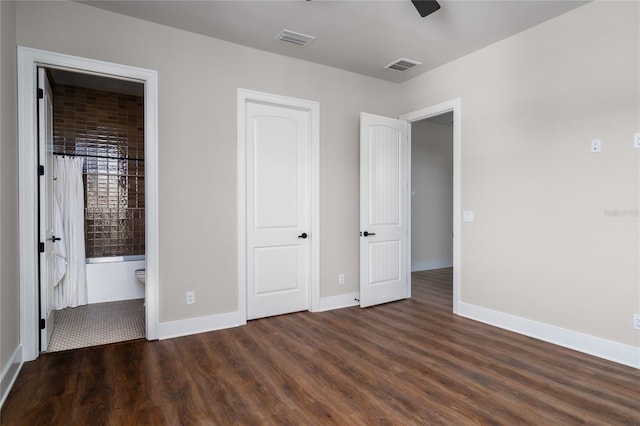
98	324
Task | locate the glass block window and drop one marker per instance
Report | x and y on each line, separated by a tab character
107	129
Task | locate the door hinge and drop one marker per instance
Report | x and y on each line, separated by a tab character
41	247
40	94
41	170
43	323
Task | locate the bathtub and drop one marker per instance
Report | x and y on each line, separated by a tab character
113	278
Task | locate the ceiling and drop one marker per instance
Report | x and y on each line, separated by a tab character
358	36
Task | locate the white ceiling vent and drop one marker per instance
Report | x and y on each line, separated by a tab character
403	64
295	38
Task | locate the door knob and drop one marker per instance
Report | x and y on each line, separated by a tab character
366	234
54	238
303	235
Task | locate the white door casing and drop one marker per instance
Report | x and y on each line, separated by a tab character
273	263
384	212
278	142
45	191
28	61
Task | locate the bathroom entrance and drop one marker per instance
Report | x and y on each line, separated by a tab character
29	60
92	209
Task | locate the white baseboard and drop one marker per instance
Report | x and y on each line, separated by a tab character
337	302
167	330
10	373
596	346
425	266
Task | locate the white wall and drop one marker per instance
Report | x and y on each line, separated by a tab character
542	246
9	284
431	195
198	78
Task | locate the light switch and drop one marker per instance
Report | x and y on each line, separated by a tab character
596	145
636	140
467	216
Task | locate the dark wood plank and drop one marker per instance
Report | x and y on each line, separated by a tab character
407	362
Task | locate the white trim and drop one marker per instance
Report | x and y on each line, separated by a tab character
426	266
408	208
314	109
10	373
338	302
596	346
186	327
28	61
454	105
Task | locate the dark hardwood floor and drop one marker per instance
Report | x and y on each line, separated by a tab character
408	362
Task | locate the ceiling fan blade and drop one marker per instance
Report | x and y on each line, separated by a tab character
426	7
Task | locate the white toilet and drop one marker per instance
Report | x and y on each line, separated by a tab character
141	275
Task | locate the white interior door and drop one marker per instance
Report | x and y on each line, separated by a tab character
277	147
384	188
47	259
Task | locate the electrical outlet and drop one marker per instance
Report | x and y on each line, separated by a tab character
636	321
636	140
191	297
341	279
596	145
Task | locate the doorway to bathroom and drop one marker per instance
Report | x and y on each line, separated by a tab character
92	209
33	321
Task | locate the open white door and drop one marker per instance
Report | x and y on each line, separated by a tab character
45	158
384	219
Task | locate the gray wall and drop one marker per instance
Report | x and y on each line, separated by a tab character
198	79
544	244
9	282
431	195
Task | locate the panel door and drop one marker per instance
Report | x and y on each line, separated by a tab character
47	258
384	188
278	141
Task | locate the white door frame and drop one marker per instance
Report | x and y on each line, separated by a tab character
421	114
28	61
313	107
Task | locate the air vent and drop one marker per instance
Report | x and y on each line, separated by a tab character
295	38
403	64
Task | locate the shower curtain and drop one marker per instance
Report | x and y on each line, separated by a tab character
68	190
